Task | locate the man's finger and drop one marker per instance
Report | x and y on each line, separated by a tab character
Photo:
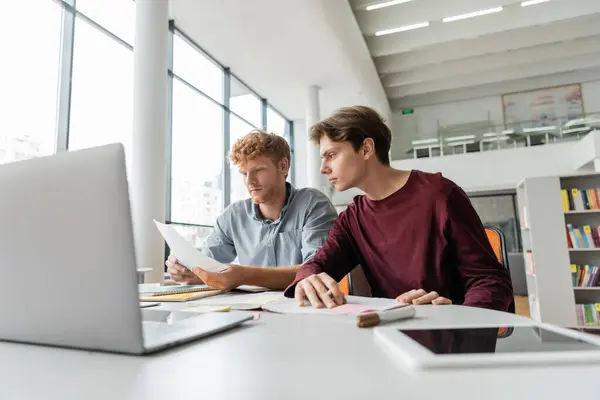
428	298
173	259
299	295
180	268
408	297
332	285
322	292
404	296
174	274
441	301
311	294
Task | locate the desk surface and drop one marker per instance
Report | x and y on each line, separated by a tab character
282	357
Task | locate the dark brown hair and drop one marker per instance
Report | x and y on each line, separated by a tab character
355	124
260	143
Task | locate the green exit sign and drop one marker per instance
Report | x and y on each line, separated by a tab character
408	111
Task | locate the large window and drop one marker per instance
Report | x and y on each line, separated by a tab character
67	84
239	128
102	90
197	157
276	123
197	69
29	78
244	103
116	16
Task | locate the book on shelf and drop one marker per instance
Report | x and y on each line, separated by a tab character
583	237
588	314
576	199
529	267
585	275
523	217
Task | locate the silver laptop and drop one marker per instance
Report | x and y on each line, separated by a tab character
67	260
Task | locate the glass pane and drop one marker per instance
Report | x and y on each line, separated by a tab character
276	123
194	234
498	211
197	154
116	16
102	91
29	79
239	128
195	68
244	103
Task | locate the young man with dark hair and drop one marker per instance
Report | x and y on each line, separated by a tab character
415	234
278	226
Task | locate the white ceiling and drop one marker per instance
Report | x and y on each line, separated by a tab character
519	48
280	48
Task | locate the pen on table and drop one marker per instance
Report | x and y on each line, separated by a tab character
375	318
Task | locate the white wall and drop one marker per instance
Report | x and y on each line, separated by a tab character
497	169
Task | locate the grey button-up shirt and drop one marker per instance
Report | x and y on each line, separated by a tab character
293	238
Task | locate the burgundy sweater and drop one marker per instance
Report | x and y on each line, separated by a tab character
426	235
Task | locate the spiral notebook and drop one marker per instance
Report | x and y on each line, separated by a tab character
175	289
181	297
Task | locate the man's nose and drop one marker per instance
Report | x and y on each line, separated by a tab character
323	168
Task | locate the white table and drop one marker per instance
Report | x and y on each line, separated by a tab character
282	357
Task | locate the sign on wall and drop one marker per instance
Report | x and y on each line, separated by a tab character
543	107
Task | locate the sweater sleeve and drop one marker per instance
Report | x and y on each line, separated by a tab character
487	282
336	258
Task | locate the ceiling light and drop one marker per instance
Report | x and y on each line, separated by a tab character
473	14
386	4
402	29
532	2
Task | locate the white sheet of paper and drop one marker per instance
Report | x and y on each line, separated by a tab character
186	254
289	306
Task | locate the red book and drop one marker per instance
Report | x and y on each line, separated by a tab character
570	244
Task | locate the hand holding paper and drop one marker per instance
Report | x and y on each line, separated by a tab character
187	255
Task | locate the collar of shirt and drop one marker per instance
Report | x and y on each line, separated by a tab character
289	193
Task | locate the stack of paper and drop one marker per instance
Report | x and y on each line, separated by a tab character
187	255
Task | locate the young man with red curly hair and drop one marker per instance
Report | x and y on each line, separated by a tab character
278	226
415	234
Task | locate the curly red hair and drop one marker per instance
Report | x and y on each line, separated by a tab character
260	143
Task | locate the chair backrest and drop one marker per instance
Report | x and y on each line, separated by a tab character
344	285
496	238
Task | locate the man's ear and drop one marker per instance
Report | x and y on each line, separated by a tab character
368	148
284	165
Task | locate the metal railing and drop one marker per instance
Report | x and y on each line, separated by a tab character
478	137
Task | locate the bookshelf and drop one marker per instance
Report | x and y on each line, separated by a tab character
561	279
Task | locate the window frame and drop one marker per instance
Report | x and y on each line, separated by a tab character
64	97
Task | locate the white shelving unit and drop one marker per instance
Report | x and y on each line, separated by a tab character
552	297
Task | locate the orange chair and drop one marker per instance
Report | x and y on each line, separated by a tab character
346	285
496	238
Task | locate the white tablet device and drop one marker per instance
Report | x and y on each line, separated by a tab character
487	346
